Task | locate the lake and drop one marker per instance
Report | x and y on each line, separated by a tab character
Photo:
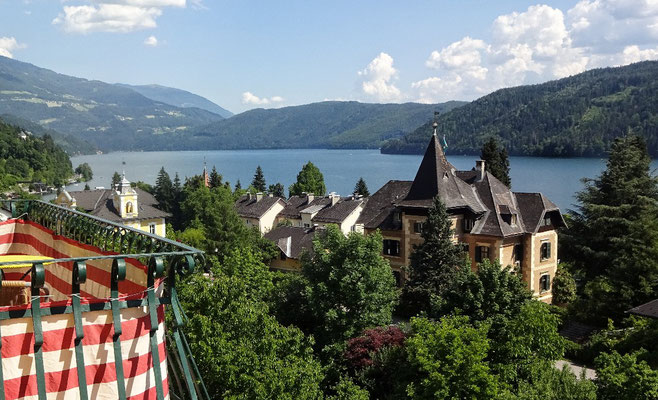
557	178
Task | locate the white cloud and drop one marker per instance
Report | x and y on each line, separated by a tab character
252	99
107	18
119	16
8	45
540	44
151	41
377	79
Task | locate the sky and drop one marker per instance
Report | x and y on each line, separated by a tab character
246	54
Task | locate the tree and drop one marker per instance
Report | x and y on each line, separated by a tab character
309	180
241	351
84	170
613	236
496	161
177	199
277	190
361	188
238	186
434	263
259	180
350	285
116	179
490	292
623	377
564	286
164	191
215	178
549	383
87	187
449	360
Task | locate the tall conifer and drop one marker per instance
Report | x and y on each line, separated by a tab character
497	161
259	180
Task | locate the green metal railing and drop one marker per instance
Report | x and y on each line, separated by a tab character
163	257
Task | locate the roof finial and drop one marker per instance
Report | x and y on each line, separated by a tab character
435	124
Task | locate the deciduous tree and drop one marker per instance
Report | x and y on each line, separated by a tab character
309	180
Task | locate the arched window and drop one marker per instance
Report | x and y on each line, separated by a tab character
545	283
545	251
129	208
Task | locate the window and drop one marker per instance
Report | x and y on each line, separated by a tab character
418	227
545	283
397	217
307	225
513	220
391	247
481	253
468	224
546	221
283	256
545	251
518	254
129	207
152	228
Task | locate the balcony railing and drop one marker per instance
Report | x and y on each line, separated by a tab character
120	261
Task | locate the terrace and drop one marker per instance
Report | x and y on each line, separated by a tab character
82	309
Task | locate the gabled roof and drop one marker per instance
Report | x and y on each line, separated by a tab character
379	208
649	309
533	207
296	204
339	212
437	177
248	206
292	240
99	202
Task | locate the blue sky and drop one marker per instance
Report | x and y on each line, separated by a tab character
246	54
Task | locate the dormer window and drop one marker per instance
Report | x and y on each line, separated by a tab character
129	208
546	221
510	219
468	224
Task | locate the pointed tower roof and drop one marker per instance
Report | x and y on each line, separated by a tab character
436	177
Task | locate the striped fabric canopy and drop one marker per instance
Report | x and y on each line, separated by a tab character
19	368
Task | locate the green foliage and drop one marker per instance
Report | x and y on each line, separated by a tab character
490	292
215	178
85	171
564	286
449	360
623	377
576	116
361	188
496	161
348	390
350	285
434	263
259	180
613	236
87	187
309	180
242	352
545	382
164	191
32	159
116	179
277	190
144	186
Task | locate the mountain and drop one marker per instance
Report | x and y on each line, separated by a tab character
69	143
108	116
177	97
329	124
576	116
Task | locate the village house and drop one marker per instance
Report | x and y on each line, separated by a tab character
123	204
516	229
259	210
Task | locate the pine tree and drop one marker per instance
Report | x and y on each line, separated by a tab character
164	191
434	264
496	161
116	178
215	178
309	180
277	190
361	188
238	185
177	198
259	180
612	238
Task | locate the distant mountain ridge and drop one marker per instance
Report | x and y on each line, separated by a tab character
108	116
576	116
177	97
329	124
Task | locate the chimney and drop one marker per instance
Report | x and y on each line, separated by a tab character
309	197
334	198
259	196
249	196
479	167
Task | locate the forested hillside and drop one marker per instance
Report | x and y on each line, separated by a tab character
330	124
576	116
30	159
69	143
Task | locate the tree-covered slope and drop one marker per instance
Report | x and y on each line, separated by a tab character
69	143
576	116
329	124
178	98
109	116
30	159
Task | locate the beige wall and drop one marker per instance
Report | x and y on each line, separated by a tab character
289	264
266	223
144	225
350	221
